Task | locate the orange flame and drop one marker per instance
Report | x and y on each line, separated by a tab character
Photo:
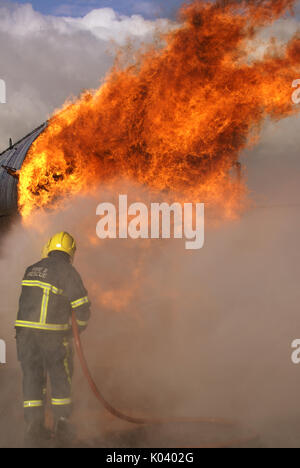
175	121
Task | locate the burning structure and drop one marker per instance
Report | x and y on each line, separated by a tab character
11	162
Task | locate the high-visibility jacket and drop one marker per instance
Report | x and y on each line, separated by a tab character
51	289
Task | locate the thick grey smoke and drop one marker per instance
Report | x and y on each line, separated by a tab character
173	332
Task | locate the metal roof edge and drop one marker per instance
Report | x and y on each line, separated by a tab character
24	138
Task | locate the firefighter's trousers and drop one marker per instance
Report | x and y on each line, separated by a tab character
44	353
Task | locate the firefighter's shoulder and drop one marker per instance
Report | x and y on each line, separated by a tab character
36	269
74	276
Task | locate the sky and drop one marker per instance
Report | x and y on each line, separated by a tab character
40	73
237	302
149	9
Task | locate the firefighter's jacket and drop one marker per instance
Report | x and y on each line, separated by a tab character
51	289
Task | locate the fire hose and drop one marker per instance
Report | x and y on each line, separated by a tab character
143	421
91	381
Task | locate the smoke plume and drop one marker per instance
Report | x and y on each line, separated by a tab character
173	333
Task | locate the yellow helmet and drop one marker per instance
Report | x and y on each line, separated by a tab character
62	242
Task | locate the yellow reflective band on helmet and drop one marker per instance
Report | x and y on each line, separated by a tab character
33	404
41	326
79	302
61	401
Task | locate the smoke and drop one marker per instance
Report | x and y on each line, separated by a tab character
173	333
40	73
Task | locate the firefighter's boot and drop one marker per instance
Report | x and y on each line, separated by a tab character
64	433
37	435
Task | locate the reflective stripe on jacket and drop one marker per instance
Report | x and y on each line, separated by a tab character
51	288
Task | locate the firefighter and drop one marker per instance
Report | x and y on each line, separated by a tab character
51	290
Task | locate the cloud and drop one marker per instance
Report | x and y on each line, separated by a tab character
146	8
107	24
104	23
47	59
75	7
150	9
